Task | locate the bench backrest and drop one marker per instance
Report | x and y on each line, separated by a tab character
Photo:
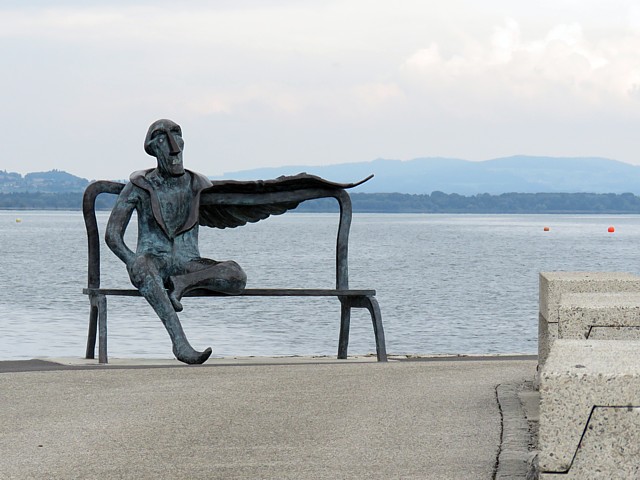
342	244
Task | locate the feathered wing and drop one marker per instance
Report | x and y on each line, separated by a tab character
231	216
233	203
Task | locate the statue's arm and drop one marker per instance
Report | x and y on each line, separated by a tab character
117	225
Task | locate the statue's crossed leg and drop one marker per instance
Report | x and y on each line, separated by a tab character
148	274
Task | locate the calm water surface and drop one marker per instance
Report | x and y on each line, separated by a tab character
445	283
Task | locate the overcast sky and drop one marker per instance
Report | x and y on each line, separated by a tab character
259	83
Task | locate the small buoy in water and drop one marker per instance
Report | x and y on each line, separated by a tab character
611	230
546	229
18	220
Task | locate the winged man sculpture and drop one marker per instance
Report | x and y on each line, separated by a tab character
171	203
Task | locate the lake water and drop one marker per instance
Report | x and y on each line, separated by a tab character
454	284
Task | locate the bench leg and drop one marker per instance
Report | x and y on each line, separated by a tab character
102	329
345	323
378	331
371	304
93	326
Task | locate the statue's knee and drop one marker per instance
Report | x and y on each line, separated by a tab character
239	283
237	278
237	269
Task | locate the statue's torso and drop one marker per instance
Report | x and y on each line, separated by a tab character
175	201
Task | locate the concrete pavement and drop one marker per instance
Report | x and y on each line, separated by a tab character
300	418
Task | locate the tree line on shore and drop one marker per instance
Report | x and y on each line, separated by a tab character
436	202
439	202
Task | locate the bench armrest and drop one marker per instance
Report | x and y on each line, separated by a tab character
93	237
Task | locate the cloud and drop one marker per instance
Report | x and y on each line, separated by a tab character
236	100
376	94
563	65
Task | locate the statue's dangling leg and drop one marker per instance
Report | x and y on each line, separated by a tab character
224	277
182	349
150	284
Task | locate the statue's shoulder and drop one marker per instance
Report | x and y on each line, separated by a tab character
198	181
139	179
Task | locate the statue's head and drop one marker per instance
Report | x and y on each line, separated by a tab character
164	141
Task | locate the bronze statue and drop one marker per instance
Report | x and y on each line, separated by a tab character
166	200
169	203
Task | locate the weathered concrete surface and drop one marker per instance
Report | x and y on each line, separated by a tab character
580	377
547	334
609	449
435	419
601	316
553	285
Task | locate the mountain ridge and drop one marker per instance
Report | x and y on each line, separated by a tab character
518	173
515	174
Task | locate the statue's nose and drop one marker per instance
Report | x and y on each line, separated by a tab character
173	145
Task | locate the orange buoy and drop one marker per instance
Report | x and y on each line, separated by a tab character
546	229
611	230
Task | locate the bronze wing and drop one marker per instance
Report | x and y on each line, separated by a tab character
232	203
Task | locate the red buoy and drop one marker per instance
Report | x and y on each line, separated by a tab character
611	230
546	229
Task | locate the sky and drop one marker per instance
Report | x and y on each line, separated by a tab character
267	83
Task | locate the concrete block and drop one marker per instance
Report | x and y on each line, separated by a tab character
604	316
590	407
608	447
553	285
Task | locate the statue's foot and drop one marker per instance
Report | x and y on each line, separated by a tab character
186	354
177	306
176	291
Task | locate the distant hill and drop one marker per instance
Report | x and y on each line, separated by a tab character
54	181
429	185
523	174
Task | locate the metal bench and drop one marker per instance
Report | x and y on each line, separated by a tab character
348	298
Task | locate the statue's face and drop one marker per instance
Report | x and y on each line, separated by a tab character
164	141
